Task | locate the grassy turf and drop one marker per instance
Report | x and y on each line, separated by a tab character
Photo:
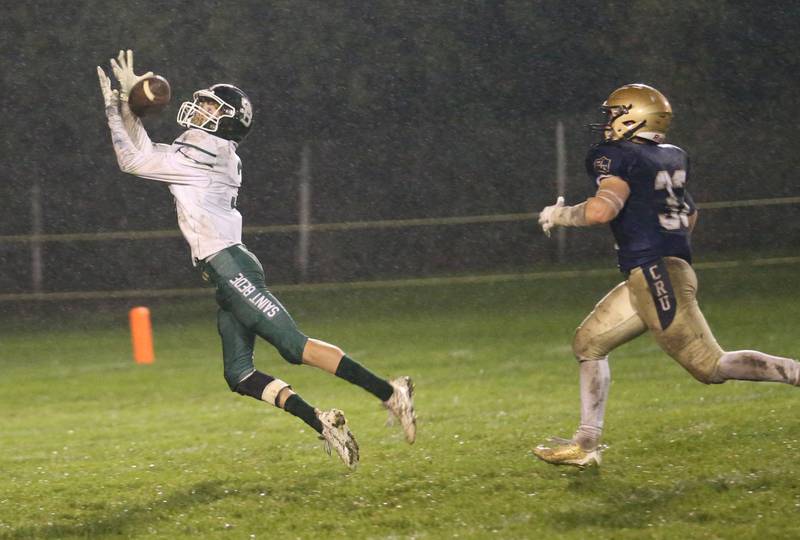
95	446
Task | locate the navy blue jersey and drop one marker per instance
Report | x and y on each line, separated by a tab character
654	221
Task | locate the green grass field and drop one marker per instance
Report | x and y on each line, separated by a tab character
94	446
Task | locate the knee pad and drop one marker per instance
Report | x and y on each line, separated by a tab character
708	378
236	378
252	385
584	347
708	375
699	357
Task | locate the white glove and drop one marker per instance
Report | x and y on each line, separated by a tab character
110	97
546	216
123	71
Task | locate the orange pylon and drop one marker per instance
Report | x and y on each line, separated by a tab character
141	335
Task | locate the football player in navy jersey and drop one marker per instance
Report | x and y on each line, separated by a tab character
641	192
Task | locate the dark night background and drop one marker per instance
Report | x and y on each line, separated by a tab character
410	110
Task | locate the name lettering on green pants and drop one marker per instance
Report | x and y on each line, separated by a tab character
259	300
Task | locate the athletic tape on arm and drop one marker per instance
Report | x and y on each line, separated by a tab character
571	216
611	198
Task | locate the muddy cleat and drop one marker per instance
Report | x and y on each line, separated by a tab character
558	451
401	406
337	436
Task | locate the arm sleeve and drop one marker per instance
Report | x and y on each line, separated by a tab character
153	161
134	127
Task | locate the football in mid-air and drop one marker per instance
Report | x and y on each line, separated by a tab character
149	96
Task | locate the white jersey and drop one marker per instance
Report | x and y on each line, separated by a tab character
202	170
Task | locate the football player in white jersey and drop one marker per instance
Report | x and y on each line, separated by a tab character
203	173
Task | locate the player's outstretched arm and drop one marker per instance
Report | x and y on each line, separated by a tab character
129	156
152	162
603	207
122	68
148	162
110	97
143	159
612	192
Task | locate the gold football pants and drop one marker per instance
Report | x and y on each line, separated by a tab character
631	308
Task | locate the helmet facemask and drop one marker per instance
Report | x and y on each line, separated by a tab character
193	114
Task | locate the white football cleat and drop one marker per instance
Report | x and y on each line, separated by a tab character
337	436
558	451
401	406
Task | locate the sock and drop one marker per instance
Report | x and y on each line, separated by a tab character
305	412
757	366
595	378
588	437
353	372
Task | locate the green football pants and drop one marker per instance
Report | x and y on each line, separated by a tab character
247	309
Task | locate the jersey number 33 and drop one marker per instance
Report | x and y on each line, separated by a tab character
675	211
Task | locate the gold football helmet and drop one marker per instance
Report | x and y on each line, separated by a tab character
635	110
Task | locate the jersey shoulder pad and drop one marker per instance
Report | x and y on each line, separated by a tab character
678	155
198	146
608	159
677	150
672	147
